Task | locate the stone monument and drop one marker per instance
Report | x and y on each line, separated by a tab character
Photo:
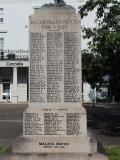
54	124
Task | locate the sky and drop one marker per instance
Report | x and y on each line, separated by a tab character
89	21
74	3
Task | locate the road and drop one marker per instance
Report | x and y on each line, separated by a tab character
11	116
103	121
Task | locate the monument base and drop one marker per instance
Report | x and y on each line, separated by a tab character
61	146
70	156
55	129
48	145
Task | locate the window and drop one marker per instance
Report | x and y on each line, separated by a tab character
1	15
1	11
1	43
1	20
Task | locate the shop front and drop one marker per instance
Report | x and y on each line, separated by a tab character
13	81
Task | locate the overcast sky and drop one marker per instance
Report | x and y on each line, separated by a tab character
89	21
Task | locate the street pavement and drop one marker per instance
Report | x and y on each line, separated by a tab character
103	121
11	116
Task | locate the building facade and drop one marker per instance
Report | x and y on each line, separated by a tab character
14	55
13	80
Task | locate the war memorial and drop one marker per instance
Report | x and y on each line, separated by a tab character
54	124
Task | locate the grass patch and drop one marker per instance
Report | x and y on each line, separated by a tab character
2	150
113	153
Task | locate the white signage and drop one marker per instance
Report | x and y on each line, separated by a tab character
8	63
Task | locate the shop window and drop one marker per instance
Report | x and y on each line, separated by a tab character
1	11
1	20
1	15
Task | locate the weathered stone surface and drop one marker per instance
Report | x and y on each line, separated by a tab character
55	121
55	57
60	143
96	156
53	145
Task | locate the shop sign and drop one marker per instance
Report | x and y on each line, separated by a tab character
12	64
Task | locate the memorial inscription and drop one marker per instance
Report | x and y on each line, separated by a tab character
53	145
54	66
37	68
49	123
71	67
61	79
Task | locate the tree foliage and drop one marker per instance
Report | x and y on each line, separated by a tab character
92	69
104	43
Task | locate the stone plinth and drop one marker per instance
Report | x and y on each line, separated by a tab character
54	125
55	130
53	157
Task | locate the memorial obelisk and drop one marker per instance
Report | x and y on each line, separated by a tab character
55	122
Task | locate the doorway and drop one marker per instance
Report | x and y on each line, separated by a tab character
6	91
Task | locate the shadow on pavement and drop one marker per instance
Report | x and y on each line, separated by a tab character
104	122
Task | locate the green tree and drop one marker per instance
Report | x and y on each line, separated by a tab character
104	43
92	69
